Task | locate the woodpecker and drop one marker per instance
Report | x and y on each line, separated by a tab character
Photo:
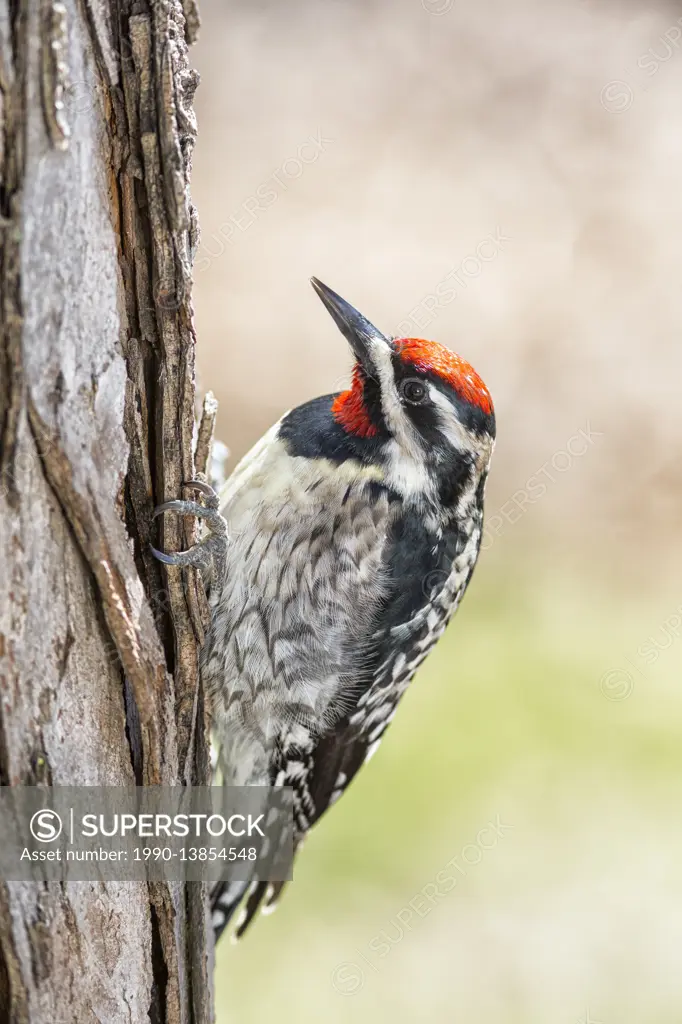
337	553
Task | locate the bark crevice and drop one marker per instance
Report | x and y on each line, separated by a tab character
99	679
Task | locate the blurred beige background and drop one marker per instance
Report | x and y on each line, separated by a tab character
505	179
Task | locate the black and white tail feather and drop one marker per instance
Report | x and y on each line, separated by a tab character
227	897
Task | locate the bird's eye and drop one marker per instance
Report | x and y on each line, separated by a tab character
413	391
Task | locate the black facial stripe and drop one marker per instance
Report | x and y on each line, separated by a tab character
372	395
453	474
427	419
471	416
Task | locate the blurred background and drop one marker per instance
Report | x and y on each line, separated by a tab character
504	179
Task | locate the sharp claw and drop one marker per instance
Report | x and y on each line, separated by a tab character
163	557
168	506
191	508
212	499
200	485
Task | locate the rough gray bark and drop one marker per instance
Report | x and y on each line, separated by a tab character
98	646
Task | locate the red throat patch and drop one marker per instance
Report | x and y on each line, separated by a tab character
430	357
349	408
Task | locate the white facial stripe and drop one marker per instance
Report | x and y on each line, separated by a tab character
449	424
391	406
407	471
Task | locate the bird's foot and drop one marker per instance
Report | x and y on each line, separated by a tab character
209	555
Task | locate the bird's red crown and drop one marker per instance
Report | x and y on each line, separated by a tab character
430	357
349	408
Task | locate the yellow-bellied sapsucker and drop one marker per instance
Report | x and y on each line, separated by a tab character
353	528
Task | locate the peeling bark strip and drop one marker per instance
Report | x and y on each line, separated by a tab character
55	71
98	647
209	414
159	88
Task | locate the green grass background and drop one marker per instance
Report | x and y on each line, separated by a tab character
575	914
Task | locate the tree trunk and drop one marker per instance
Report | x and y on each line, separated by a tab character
98	646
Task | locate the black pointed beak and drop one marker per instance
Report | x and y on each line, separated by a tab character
357	330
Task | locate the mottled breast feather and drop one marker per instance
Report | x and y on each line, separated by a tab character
295	621
413	620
